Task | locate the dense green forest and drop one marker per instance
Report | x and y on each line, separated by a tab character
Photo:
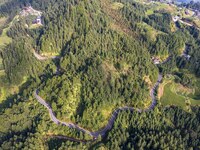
105	62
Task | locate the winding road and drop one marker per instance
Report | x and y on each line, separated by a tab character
114	114
112	119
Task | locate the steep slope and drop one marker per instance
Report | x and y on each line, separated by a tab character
101	67
86	60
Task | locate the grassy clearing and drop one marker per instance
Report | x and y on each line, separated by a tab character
183	14
170	98
149	30
197	22
6	91
35	26
161	6
177	94
117	18
117	6
106	113
4	39
196	94
148	81
3	21
50	54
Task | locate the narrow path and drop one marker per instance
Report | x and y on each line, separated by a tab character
112	119
42	58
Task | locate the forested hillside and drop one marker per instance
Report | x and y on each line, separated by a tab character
85	59
101	65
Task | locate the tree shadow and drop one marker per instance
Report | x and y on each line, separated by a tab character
14	99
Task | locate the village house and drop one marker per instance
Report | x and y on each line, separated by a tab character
38	20
155	60
175	18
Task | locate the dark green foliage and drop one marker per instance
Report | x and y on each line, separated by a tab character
101	68
173	128
18	61
161	21
110	67
192	36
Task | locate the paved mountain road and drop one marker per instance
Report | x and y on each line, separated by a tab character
112	119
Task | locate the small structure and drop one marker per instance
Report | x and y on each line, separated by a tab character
155	60
30	11
38	20
185	53
176	18
186	56
187	12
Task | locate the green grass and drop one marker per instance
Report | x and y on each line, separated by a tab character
8	90
147	29
160	6
172	97
35	26
117	5
4	39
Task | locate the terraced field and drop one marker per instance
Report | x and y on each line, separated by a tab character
176	94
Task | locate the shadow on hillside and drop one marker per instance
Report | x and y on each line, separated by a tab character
14	99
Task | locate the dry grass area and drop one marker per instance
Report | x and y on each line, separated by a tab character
3	21
161	88
110	69
173	27
157	6
197	22
179	88
50	54
117	6
117	18
6	91
148	81
116	27
149	30
106	112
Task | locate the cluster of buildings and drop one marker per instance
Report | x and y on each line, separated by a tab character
30	11
176	18
38	20
186	53
26	11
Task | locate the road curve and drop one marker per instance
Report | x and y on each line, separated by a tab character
112	119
